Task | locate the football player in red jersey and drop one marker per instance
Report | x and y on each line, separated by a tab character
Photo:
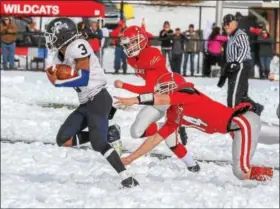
192	108
149	64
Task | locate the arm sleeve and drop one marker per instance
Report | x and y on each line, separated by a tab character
243	45
2	28
168	128
81	80
222	38
265	41
12	28
155	61
162	36
148	88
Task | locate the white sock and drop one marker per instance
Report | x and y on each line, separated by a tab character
124	174
188	159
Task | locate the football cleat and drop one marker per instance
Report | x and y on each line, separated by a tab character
195	168
130	182
114	138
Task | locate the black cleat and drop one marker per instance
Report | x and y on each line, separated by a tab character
130	182
258	108
183	135
114	133
195	168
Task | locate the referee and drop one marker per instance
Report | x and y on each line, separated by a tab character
238	65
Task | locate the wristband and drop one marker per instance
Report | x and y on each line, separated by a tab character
146	99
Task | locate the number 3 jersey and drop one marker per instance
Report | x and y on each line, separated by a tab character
198	111
77	49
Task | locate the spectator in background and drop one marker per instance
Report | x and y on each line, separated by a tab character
32	39
206	58
120	55
105	39
149	35
84	30
215	46
8	39
254	32
265	52
177	51
191	48
165	36
95	38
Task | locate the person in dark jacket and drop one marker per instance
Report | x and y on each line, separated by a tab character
120	56
96	36
84	30
177	51
165	37
265	53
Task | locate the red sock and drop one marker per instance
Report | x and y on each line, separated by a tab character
151	130
180	151
261	173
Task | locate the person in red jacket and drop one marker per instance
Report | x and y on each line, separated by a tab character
192	108
148	34
120	56
149	64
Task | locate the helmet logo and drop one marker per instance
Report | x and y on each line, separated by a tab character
58	26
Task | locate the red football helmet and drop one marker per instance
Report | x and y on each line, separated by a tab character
170	83
134	40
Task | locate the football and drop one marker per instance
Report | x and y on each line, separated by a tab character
63	71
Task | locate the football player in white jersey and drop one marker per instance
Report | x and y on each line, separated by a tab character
95	101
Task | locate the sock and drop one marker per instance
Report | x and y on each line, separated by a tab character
151	130
188	159
181	152
114	159
261	173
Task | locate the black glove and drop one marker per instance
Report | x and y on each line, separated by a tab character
223	77
233	67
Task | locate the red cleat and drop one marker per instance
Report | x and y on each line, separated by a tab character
261	173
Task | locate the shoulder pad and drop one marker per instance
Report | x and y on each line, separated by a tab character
154	57
78	49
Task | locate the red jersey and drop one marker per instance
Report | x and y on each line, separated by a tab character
197	111
149	65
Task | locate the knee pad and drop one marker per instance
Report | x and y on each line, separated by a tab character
135	131
60	139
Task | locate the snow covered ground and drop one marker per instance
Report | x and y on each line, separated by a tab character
38	175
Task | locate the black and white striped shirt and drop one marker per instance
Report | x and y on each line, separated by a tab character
238	47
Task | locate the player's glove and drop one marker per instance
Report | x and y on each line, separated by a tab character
233	67
223	77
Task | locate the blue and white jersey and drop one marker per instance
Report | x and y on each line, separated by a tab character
80	48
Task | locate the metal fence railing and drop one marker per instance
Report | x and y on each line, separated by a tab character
36	40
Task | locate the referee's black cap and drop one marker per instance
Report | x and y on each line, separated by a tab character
228	19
